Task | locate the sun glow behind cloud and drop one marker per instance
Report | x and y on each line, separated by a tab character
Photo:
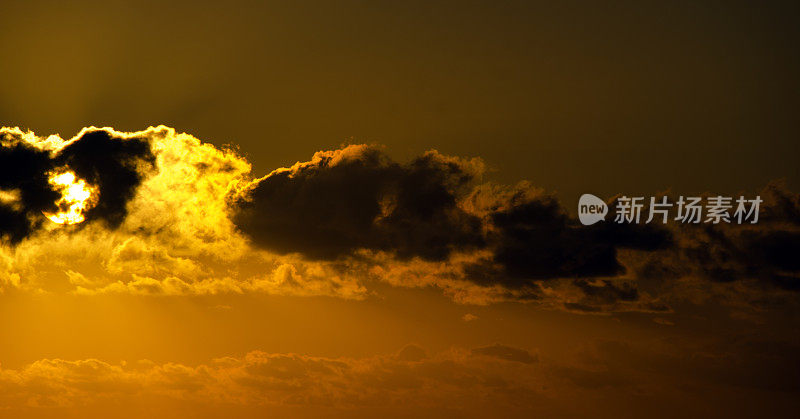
76	198
180	240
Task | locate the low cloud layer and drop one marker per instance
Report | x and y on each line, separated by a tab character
259	378
673	376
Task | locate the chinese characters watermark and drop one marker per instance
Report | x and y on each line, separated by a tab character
686	210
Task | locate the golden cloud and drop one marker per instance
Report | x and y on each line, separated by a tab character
163	213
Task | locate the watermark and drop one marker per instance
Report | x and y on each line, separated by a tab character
687	210
591	209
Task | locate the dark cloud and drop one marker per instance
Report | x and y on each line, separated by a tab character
780	204
357	198
765	252
535	238
111	164
23	175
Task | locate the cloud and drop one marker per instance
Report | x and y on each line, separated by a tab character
748	264
353	203
111	162
115	163
411	378
356	197
23	179
534	238
172	237
164	224
700	375
176	216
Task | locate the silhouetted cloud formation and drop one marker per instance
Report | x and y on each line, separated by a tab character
356	197
330	225
535	238
108	162
765	252
114	164
24	181
347	204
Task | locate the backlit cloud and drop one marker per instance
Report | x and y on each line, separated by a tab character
57	177
157	212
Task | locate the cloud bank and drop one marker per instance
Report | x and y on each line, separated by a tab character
464	381
171	215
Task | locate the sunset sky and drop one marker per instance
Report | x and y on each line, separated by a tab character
359	209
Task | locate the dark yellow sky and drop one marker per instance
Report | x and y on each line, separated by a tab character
575	96
208	275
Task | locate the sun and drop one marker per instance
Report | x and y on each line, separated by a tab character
77	197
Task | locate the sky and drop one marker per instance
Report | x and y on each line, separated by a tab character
352	209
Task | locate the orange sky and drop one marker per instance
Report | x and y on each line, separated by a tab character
356	209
